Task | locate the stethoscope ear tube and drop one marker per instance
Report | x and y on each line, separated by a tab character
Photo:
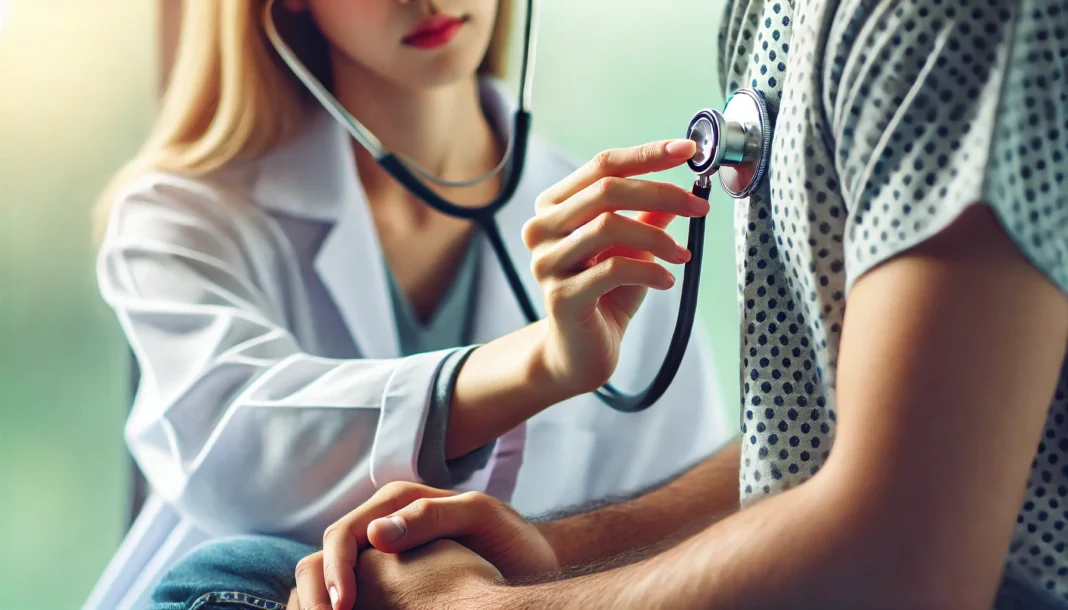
482	215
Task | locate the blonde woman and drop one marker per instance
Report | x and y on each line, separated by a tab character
308	331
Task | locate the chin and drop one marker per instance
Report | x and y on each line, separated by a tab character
441	71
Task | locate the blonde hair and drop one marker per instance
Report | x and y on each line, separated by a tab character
230	96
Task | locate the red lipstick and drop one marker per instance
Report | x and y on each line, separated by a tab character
435	32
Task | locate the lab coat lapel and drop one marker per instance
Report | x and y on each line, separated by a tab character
314	177
351	266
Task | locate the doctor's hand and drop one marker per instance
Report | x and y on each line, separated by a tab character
595	265
405	516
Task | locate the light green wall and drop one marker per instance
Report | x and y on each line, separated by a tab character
622	72
77	85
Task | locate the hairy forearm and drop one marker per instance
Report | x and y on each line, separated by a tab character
608	534
750	559
813	546
502	384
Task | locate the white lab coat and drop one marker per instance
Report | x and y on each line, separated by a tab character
273	396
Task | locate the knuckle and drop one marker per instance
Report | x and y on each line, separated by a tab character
530	233
424	509
482	504
660	191
475	500
603	223
540	267
644	154
542	202
337	531
308	566
395	489
651	152
606	187
603	160
614	265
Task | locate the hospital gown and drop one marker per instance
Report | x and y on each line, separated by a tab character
891	118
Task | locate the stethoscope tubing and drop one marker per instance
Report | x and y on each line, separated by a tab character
485	216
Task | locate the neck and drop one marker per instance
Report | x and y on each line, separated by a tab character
443	129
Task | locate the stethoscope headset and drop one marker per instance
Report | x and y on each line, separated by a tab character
733	143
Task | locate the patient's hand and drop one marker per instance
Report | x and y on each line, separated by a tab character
437	575
442	574
405	516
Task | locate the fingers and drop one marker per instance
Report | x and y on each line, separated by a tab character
311	586
344	539
615	194
425	520
341	547
577	296
622	163
604	233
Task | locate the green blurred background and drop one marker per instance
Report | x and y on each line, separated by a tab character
78	86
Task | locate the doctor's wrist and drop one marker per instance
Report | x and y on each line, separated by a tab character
544	372
500	385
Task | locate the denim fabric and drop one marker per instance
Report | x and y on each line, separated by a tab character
233	574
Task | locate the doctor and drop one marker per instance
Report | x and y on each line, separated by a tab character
300	319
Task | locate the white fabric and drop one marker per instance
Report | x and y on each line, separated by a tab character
273	399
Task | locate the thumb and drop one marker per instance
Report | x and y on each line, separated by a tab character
465	516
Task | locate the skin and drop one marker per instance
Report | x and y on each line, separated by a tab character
914	508
593	265
425	105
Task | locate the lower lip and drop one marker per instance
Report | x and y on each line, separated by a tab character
437	38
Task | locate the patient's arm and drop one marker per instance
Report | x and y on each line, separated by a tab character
621	530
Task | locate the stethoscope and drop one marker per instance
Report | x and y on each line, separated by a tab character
733	143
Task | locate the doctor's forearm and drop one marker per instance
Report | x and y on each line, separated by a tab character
502	384
627	531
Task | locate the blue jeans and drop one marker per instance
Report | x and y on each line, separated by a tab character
257	572
233	574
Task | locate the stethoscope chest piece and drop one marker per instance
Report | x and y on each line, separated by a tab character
734	143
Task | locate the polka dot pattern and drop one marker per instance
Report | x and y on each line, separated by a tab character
890	118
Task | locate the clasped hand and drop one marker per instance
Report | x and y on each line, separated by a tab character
464	543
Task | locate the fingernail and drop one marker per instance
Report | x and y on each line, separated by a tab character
682	255
333	596
669	281
698	206
391	528
681	149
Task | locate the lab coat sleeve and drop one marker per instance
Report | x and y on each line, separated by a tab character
234	424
